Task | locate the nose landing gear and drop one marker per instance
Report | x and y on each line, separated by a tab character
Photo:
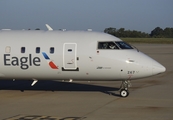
124	88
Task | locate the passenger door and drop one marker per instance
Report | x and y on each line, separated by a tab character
69	56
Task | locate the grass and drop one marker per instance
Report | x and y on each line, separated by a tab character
149	40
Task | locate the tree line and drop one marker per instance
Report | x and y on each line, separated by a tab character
155	33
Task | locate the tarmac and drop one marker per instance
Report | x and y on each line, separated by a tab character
150	98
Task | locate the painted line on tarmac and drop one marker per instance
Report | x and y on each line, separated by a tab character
40	117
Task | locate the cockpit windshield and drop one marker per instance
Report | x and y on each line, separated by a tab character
123	45
114	45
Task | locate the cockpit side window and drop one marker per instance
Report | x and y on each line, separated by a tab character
123	45
107	45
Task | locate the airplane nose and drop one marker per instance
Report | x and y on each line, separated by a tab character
158	68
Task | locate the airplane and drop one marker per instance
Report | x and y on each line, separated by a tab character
72	55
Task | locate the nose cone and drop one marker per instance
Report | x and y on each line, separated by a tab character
158	68
150	66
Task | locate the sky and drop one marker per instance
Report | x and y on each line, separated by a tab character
141	15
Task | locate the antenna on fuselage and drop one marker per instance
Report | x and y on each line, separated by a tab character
48	27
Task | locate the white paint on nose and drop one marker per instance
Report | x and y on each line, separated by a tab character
158	68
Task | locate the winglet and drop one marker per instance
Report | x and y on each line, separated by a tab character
48	27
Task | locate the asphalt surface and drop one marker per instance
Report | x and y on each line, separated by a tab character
149	99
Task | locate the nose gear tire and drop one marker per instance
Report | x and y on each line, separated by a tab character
124	93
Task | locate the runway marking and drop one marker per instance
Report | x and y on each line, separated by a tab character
40	117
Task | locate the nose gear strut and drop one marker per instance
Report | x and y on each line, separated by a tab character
124	88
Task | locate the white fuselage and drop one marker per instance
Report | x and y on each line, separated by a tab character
48	55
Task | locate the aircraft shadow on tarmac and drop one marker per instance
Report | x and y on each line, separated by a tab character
46	85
